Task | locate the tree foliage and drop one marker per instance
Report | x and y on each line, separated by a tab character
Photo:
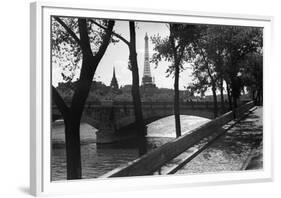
65	44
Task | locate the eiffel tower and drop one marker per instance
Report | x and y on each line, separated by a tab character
147	78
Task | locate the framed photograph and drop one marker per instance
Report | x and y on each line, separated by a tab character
128	99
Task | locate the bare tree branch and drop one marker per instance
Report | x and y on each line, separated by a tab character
113	33
59	102
106	40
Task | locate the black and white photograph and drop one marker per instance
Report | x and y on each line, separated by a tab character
136	98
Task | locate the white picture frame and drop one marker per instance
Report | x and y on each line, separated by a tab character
40	182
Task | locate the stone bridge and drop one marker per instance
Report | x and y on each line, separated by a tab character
112	117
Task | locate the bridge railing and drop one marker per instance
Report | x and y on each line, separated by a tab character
152	161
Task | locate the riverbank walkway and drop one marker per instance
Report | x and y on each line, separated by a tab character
240	148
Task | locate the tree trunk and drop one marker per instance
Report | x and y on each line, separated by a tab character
259	97
222	97
176	102
234	88
229	97
253	95
72	125
215	100
235	93
72	137
73	153
235	105
141	129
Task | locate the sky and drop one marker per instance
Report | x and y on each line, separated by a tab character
117	55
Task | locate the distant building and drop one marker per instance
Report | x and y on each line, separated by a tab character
114	83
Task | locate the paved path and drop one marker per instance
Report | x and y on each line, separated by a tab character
240	145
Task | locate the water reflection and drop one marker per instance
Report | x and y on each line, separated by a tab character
100	159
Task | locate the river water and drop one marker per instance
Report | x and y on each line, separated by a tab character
100	159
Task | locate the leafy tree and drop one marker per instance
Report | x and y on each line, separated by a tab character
88	48
214	46
252	75
204	72
199	84
208	65
177	49
239	41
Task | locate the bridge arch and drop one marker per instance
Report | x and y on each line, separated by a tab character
151	117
